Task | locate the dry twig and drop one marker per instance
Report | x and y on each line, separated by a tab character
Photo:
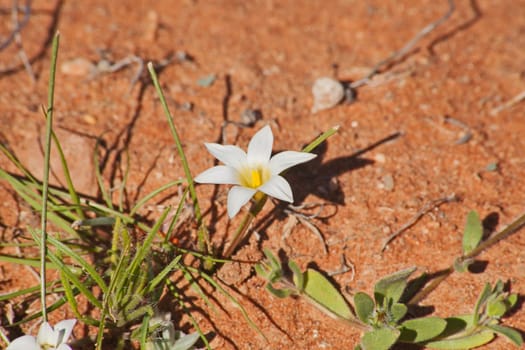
516	99
426	208
396	55
18	25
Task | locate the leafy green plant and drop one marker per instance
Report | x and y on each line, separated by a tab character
384	318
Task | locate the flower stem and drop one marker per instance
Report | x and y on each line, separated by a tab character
202	236
240	233
320	139
47	151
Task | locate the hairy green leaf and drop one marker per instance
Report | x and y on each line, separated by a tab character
511	334
391	287
473	232
422	329
483	297
465	342
379	339
364	306
298	276
398	311
320	290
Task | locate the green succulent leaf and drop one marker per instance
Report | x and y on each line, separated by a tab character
391	287
473	232
512	300
483	297
379	339
398	311
324	294
364	306
272	260
496	308
509	333
422	329
498	287
465	342
298	276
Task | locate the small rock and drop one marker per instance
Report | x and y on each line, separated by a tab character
207	80
327	93
79	67
388	182
380	158
250	116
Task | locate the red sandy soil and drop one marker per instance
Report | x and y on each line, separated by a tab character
265	56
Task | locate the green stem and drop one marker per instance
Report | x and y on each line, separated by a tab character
442	275
47	152
240	233
320	139
203	238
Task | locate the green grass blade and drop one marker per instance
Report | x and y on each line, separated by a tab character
173	289
12	158
30	290
144	248
90	270
70	186
45	181
25	261
230	297
149	196
162	275
203	240
106	195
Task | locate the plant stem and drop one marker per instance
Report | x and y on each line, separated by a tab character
202	237
47	151
320	139
442	275
240	233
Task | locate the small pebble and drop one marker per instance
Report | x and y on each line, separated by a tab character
207	80
380	158
79	67
89	119
250	116
327	93
388	182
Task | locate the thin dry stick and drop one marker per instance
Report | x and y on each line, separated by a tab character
426	208
408	46
19	25
516	99
18	40
443	274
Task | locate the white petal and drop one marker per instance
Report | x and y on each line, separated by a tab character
279	188
237	197
228	154
25	342
288	159
260	146
46	335
65	328
220	174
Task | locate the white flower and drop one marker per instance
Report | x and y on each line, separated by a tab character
47	338
252	172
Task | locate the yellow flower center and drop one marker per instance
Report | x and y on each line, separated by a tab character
254	177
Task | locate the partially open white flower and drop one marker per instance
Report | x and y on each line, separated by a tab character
47	338
252	172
